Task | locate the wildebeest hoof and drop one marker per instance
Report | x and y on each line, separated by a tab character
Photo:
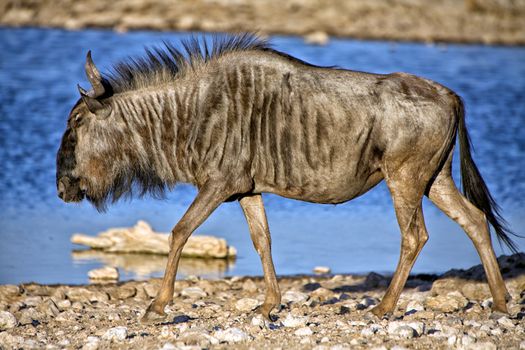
380	312
153	317
265	311
496	314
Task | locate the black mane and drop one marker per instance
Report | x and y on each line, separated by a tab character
161	64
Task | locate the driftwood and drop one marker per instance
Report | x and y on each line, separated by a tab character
142	239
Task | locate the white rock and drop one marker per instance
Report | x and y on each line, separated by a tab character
481	346
7	320
401	329
246	304
231	335
116	334
419	327
193	292
92	343
294	321
304	331
506	322
142	239
104	273
258	321
294	297
317	38
414	305
322	270
522	345
169	346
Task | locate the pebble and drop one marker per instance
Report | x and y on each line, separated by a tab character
317	38
293	296
193	292
294	321
92	343
7	320
506	322
49	308
246	304
451	302
116	334
414	306
304	331
249	286
231	335
104	273
322	270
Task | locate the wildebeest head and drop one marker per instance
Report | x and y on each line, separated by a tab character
84	169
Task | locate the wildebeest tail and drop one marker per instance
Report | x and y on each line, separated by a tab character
474	187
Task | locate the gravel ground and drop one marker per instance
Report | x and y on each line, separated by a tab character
480	21
319	312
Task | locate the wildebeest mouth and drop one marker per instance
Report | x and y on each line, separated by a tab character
69	189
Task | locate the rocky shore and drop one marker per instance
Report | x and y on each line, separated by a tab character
319	312
469	21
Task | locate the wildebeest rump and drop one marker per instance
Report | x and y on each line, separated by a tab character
238	118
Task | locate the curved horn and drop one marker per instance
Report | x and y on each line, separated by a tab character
94	76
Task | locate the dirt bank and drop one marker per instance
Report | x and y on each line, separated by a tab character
330	312
470	21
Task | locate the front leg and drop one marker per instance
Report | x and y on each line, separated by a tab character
256	217
207	200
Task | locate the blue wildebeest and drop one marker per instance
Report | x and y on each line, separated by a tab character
238	118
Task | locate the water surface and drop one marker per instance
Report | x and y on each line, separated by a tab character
39	70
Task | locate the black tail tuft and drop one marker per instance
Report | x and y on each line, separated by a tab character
474	186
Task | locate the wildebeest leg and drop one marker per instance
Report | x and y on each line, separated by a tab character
253	208
407	203
446	196
207	200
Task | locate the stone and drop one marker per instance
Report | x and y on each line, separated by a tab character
116	334
451	302
476	291
414	306
303	331
321	270
294	321
401	329
30	316
84	295
506	322
231	335
122	292
375	280
151	289
63	304
317	38
49	308
292	296
322	294
92	343
249	286
142	239
246	304
7	320
193	292
104	273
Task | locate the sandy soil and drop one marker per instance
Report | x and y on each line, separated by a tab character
472	21
319	312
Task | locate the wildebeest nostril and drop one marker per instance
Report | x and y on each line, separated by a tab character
61	189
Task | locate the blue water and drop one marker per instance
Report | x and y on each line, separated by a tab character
39	70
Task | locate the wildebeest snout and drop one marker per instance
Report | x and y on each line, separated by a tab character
69	189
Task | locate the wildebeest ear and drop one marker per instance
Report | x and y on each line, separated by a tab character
95	106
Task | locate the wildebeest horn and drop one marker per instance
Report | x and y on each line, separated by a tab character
94	76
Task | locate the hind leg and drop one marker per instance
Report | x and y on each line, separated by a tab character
407	203
446	196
